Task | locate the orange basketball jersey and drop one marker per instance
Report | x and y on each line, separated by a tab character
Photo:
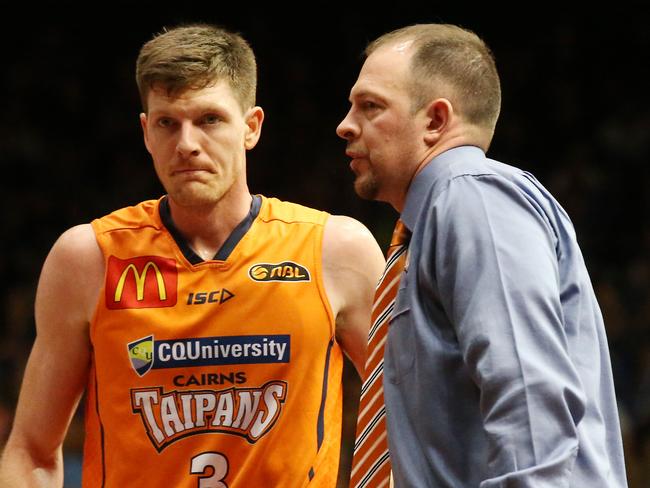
219	373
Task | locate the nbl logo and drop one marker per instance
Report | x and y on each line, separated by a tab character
285	271
141	282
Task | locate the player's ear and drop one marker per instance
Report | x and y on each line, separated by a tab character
144	122
254	120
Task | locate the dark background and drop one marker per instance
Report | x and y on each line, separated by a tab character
576	113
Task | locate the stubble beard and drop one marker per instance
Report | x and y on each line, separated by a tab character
206	193
366	186
199	195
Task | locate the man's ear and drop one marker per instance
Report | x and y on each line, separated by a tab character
438	117
143	123
254	119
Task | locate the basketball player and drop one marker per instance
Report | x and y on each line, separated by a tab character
207	327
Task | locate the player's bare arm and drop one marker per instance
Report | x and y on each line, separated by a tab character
352	265
58	365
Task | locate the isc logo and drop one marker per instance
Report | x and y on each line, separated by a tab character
285	271
215	296
141	282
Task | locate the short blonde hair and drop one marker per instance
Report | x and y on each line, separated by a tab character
196	56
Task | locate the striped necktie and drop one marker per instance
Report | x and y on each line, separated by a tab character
371	464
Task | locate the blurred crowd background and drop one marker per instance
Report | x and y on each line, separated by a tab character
576	113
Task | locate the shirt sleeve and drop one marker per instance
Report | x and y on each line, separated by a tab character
496	267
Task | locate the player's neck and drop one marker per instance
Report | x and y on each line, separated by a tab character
206	228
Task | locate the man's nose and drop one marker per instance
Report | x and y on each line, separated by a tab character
188	141
347	129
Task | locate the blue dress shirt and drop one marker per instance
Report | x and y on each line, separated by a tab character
497	370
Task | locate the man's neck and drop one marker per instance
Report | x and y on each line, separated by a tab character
206	228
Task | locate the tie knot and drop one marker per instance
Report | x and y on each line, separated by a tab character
401	234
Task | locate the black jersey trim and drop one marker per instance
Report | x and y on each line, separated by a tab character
101	431
320	429
240	231
320	425
227	247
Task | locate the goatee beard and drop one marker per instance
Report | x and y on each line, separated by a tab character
366	186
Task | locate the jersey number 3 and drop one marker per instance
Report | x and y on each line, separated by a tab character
213	468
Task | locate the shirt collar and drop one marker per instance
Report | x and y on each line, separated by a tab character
427	176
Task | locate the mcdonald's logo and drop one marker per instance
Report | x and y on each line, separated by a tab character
141	282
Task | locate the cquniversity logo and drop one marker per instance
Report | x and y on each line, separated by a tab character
146	353
141	282
141	354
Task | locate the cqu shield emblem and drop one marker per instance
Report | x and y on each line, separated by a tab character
141	354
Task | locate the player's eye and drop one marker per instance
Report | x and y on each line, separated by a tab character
210	119
165	122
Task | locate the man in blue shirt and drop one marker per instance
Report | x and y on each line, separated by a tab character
497	370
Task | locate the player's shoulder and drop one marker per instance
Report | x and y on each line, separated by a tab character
75	250
144	213
290	212
71	278
348	228
347	238
78	239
